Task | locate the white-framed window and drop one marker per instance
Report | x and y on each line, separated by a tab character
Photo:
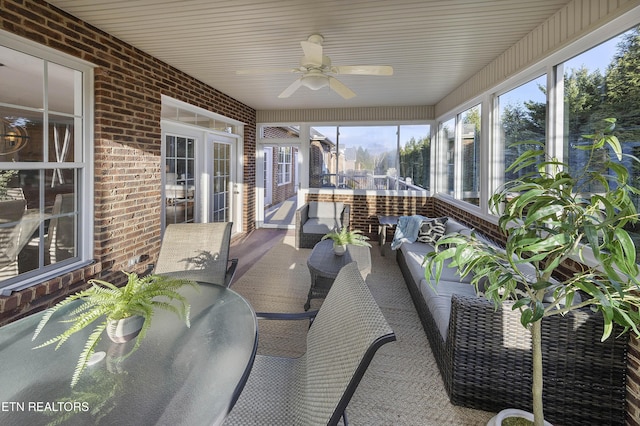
46	205
371	157
284	165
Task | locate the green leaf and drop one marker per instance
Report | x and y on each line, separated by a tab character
526	317
614	143
544	212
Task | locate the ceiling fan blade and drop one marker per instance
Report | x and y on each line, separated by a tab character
292	88
266	71
339	87
363	69
312	51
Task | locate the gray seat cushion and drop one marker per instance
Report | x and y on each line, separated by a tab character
415	253
438	300
325	209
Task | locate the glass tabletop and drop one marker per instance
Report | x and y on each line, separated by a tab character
178	375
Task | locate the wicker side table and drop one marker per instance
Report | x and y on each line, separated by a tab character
324	266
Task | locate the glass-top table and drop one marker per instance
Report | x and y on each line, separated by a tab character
178	375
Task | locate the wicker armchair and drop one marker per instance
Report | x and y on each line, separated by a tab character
316	218
197	251
485	361
315	388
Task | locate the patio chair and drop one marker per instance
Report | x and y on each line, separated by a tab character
316	388
198	252
317	218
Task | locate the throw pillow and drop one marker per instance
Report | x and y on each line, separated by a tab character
432	230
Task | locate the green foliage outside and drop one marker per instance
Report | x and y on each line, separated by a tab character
415	161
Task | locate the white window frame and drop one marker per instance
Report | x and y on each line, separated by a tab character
284	165
83	156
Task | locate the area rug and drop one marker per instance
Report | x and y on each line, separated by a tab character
402	386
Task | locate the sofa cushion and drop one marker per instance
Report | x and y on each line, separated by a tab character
455	226
325	209
321	225
432	230
438	299
414	254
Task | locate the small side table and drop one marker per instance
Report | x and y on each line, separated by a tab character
324	266
385	222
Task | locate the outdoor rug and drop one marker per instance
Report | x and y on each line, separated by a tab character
402	386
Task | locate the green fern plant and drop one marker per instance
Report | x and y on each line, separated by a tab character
344	237
105	302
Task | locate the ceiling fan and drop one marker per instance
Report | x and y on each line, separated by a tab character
316	70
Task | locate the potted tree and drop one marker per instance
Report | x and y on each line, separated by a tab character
125	312
343	237
549	216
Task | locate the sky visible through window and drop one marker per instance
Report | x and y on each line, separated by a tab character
376	139
598	57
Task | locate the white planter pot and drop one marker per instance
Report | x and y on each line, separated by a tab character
339	249
511	412
125	329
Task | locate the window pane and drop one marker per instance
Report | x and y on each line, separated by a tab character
21	74
22	135
415	156
65	89
61	139
365	157
448	137
471	155
33	234
522	118
284	165
61	242
602	83
322	159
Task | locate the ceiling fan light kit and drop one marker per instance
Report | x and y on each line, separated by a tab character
316	68
315	81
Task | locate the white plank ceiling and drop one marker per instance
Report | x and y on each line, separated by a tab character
432	45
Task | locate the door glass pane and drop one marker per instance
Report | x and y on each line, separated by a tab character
179	180
221	181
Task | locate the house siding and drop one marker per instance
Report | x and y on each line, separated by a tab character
128	85
574	20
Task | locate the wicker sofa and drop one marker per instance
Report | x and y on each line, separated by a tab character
484	355
316	218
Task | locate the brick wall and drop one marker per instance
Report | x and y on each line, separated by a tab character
128	88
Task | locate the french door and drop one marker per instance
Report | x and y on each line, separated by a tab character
199	182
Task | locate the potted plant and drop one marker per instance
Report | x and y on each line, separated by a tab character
114	308
343	237
549	216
